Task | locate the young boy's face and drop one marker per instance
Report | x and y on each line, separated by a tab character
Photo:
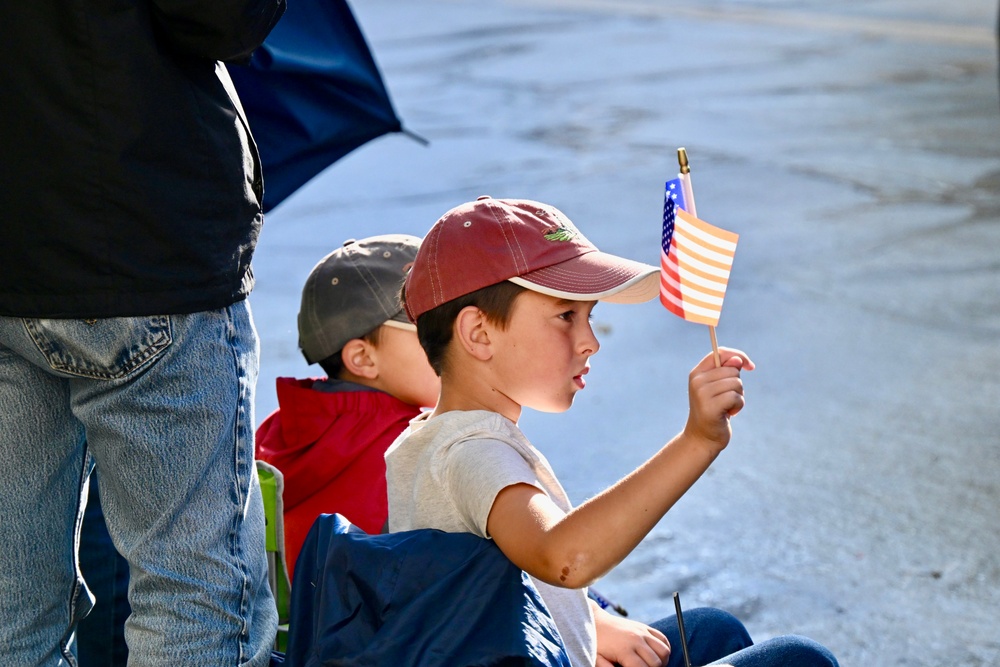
404	370
541	357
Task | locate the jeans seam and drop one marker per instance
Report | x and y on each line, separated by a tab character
237	546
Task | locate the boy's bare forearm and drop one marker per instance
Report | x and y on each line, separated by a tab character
600	533
574	549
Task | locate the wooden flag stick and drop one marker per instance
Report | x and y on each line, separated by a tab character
685	175
715	347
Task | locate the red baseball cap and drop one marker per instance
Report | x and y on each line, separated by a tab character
488	241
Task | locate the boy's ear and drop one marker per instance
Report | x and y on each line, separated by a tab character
472	331
359	359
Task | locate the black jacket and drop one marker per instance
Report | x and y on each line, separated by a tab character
129	182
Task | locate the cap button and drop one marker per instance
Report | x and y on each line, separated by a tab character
482	197
349	242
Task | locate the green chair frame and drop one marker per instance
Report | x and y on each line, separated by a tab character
272	486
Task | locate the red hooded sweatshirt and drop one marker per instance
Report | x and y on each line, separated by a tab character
330	447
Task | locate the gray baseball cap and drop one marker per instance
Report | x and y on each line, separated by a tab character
352	291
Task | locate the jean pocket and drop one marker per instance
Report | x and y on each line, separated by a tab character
104	349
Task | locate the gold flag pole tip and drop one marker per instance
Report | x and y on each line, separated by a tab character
682	160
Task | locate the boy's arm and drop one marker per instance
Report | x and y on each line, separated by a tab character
573	550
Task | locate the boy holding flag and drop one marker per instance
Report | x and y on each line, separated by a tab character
501	292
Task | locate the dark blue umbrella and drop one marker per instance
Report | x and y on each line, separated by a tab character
312	93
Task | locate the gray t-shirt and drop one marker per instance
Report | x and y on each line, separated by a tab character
446	472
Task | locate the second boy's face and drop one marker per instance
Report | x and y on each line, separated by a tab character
541	358
404	370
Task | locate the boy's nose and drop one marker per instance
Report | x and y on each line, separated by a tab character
590	344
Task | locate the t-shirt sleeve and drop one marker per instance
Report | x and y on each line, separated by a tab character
475	471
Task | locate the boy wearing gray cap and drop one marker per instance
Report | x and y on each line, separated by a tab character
329	435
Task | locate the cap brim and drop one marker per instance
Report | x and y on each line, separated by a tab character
595	276
396	324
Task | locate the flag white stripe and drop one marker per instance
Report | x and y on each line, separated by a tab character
695	262
694	246
706	238
689	291
689	307
694	285
717	283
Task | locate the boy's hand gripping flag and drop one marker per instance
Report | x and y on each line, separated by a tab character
695	261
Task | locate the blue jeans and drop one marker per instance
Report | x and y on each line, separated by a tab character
717	637
164	404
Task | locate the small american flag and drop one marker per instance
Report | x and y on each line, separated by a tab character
695	261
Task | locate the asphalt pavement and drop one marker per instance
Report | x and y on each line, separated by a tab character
856	150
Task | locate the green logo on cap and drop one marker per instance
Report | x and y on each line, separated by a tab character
559	234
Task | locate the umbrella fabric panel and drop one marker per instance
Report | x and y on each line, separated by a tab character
312	93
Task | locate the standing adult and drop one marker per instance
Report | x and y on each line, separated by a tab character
131	191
